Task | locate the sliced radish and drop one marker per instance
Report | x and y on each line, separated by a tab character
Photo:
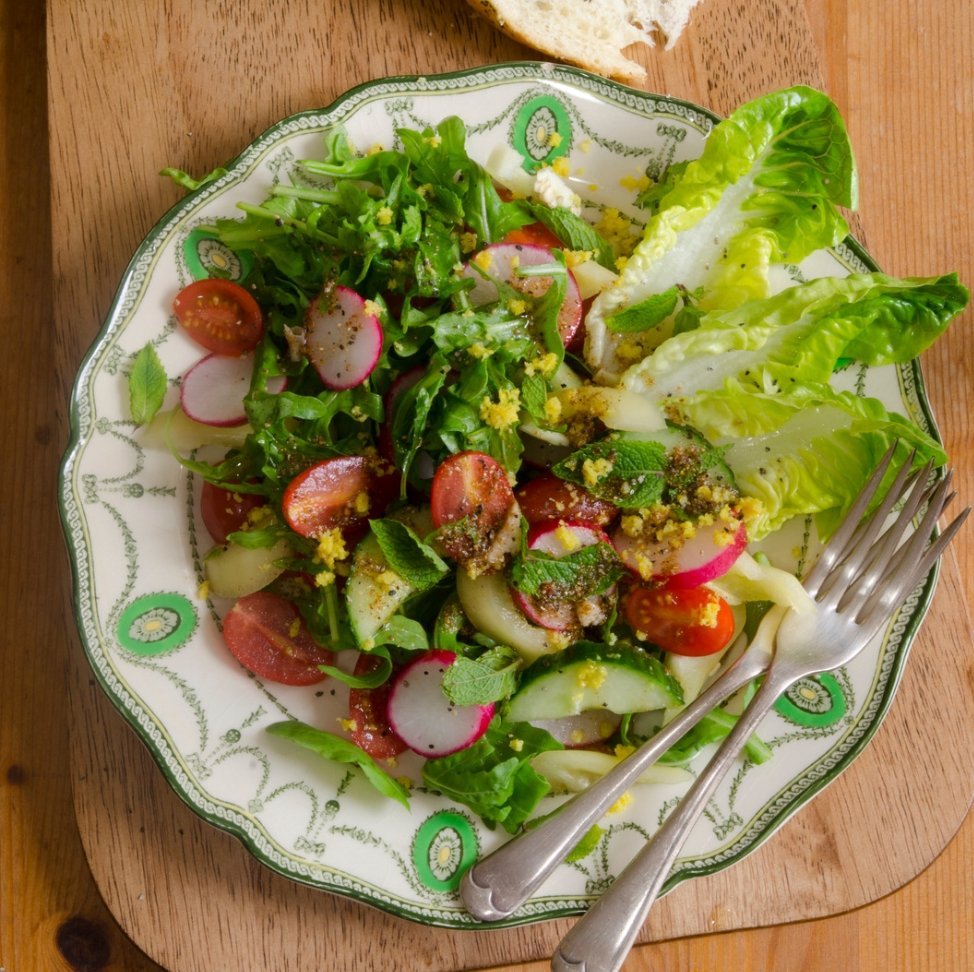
585	729
557	539
500	262
213	390
424	718
342	339
696	560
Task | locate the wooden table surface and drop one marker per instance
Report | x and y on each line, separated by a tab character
127	88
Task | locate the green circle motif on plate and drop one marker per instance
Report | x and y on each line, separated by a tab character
542	131
817	701
444	847
156	623
206	256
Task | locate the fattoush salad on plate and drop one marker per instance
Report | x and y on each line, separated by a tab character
502	462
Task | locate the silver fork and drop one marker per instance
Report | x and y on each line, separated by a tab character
858	582
495	887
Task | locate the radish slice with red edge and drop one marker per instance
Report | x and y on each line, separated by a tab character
707	555
558	539
343	340
501	260
213	390
585	729
423	717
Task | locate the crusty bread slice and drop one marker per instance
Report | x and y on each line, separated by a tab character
590	33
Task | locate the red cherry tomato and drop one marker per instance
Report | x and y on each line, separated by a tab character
224	511
220	315
471	487
534	233
367	710
549	498
692	621
342	492
265	633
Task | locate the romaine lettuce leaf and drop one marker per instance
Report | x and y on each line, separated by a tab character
765	190
797	336
808	451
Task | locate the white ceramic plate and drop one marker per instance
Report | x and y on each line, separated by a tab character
136	545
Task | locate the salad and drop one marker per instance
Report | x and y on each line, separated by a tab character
501	461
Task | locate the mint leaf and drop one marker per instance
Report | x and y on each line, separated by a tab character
534	394
646	314
490	677
414	561
147	385
626	472
330	746
572	577
575	232
494	776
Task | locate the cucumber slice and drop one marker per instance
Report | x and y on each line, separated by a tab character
374	592
593	676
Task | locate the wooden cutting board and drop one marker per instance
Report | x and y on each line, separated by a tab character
134	87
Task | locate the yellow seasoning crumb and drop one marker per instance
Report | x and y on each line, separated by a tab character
585	145
349	725
552	409
484	259
517	306
434	141
554	139
203	591
325	578
544	364
621	803
517	744
384	216
575	257
362	502
591	675
405	781
503	413
477	350
594	470
635	183
468	242
372	309
294	628
567	538
560	166
375	149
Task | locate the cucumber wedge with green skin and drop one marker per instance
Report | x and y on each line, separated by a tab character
593	676
374	592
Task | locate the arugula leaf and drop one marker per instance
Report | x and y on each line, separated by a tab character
490	677
376	677
147	385
646	314
415	562
187	181
626	472
572	577
494	776
330	746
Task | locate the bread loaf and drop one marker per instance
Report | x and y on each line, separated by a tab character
590	33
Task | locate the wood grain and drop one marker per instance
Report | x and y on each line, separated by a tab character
133	87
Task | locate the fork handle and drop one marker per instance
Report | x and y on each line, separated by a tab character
602	938
498	885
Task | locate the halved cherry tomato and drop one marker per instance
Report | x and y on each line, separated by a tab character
225	511
367	710
471	487
342	492
692	621
265	633
220	315
534	233
549	498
